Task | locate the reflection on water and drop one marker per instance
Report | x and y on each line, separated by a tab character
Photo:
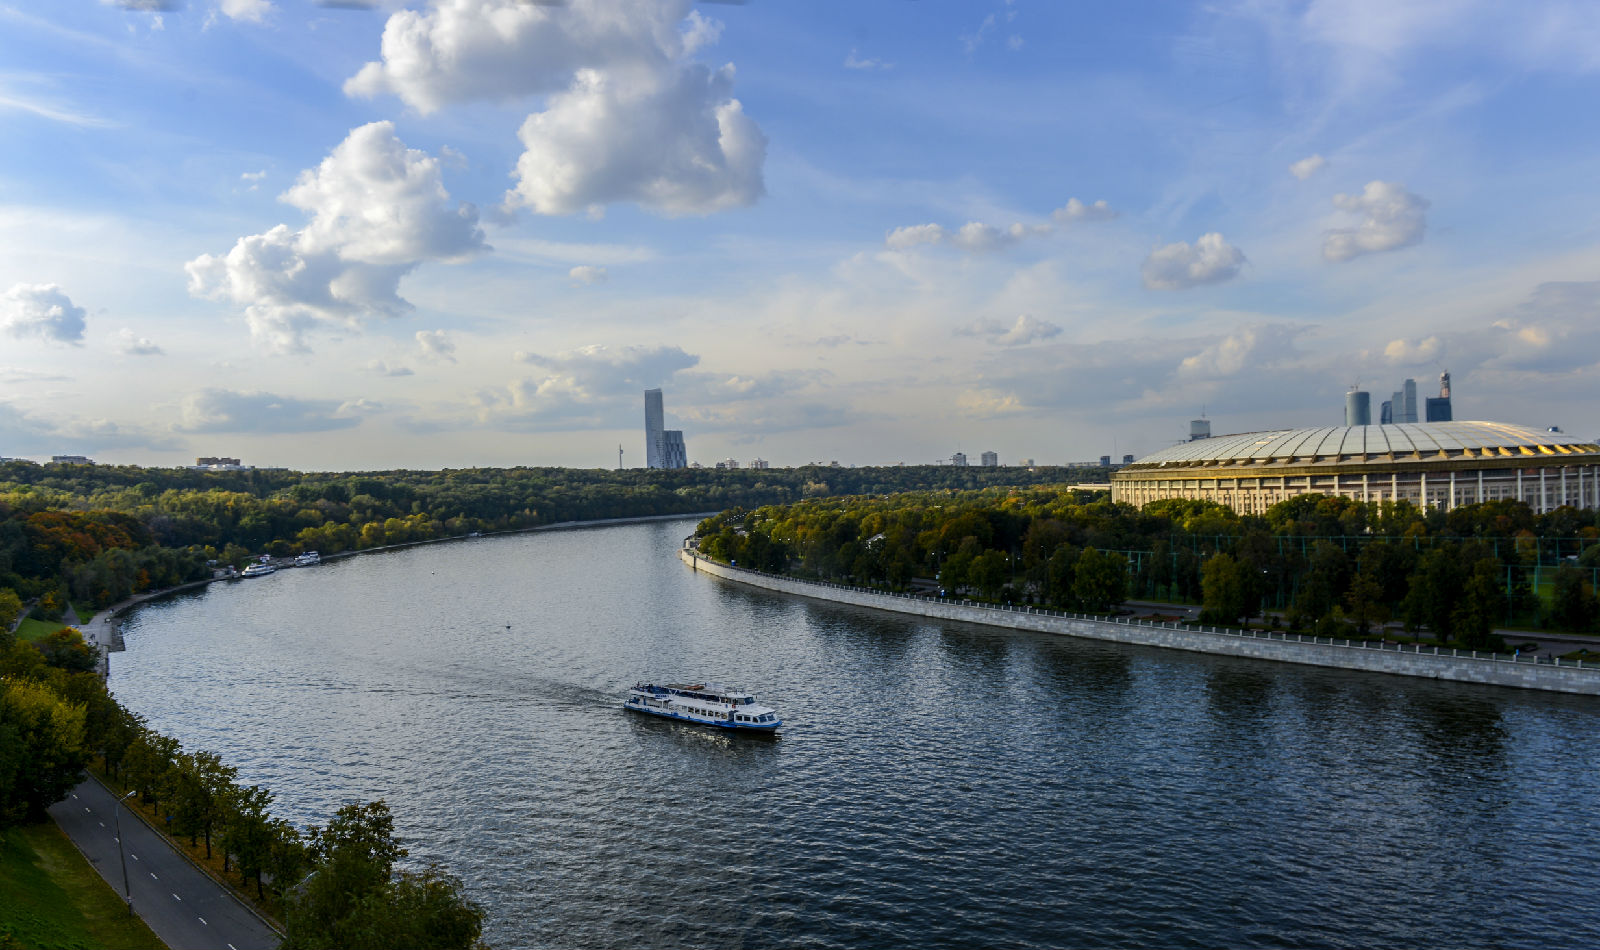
942	784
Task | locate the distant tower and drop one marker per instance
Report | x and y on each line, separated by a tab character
959	460
1199	429
1386	413
654	423
989	459
663	448
1438	409
1357	408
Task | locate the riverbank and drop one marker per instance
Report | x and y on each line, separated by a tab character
1463	666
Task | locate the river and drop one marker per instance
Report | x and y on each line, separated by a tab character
937	784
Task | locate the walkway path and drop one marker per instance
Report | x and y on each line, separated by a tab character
185	907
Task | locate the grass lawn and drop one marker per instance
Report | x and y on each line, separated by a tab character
53	898
33	629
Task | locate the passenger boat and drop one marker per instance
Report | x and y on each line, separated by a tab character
307	559
705	703
258	569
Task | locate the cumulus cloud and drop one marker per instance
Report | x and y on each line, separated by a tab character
1251	347
1308	166
435	346
41	311
1210	260
1075	210
588	274
1391	218
1418	351
384	368
225	410
377	211
973	237
674	141
134	345
1027	329
629	117
590	386
251	11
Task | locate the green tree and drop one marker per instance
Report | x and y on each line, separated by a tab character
354	899
1573	605
1224	590
10	609
1100	580
42	750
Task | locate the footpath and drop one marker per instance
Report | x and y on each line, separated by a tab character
185	907
1439	663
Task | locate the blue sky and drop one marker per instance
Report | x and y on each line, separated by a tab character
469	232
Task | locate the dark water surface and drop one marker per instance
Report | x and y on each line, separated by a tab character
938	784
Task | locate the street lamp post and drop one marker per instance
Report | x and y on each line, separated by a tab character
116	819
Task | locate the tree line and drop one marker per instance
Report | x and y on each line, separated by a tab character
337	885
1316	563
93	534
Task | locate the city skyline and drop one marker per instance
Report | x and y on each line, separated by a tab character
382	235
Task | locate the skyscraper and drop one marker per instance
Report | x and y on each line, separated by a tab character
654	423
1357	408
663	448
1438	409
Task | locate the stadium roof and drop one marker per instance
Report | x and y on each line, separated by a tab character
1415	440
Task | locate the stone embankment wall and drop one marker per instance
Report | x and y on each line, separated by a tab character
1433	663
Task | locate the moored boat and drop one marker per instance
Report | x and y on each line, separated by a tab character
258	569
706	704
308	558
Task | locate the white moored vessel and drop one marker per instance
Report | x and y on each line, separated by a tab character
258	569
307	559
705	703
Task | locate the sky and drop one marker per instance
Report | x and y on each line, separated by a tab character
347	235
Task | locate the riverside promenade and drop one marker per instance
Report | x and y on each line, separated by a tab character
1439	663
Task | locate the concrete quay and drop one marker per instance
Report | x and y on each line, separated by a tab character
1462	666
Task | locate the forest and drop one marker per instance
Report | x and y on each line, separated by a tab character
90	535
1314	563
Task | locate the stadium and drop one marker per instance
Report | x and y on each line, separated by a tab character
1430	464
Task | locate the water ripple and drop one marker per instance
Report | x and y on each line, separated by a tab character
938	784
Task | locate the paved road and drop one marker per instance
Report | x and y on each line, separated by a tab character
186	909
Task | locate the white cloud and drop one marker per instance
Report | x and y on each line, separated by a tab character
974	236
871	63
588	274
1392	218
1308	166
1210	260
435	346
590	386
378	210
1027	329
383	368
1409	352
628	118
252	11
465	50
135	345
673	140
225	410
41	311
1252	347
1075	210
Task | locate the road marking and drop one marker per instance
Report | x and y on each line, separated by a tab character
153	876
133	856
176	897
102	824
232	947
202	920
74	794
87	809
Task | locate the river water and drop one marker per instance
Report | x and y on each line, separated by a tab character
938	784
